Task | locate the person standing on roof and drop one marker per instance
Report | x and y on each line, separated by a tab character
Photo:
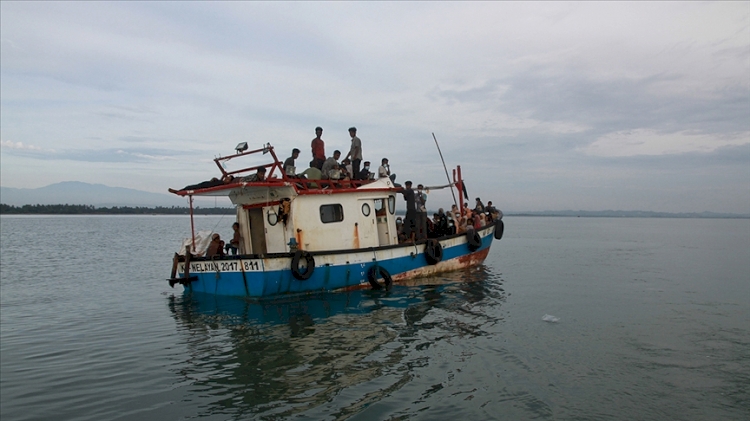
355	152
318	149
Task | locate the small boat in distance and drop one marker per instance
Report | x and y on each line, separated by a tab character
300	235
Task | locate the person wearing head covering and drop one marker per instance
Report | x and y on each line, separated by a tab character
442	224
215	247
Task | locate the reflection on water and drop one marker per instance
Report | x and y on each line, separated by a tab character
284	357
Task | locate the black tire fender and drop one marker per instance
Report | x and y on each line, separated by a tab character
433	251
499	228
309	261
374	273
473	239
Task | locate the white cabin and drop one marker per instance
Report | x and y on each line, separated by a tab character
320	219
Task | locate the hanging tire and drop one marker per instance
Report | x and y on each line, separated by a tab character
474	240
297	272
433	251
499	228
376	272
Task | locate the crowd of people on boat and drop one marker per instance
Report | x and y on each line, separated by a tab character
415	225
352	167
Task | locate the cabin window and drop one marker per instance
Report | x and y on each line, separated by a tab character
331	213
365	209
379	207
392	204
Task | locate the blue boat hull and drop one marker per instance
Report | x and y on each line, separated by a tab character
257	277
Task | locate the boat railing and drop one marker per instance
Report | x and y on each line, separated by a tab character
270	167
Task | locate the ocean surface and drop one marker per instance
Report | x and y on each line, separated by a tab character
568	319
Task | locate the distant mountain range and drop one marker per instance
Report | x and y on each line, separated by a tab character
99	195
78	193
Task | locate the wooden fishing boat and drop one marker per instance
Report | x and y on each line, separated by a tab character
302	236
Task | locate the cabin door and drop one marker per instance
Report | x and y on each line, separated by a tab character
382	220
366	228
257	231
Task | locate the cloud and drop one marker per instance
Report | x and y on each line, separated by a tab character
18	145
651	142
22	147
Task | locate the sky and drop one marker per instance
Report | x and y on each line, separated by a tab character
544	105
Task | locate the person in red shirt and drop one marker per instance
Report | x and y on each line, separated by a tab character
318	149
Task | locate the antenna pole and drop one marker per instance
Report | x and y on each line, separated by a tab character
446	169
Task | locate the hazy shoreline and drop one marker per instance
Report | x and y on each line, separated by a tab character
61	209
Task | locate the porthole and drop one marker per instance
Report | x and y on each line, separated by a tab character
273	218
365	209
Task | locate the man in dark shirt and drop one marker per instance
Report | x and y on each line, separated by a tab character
289	168
410	221
365	173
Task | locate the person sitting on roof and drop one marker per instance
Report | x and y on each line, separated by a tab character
331	166
385	171
346	165
289	168
365	174
259	176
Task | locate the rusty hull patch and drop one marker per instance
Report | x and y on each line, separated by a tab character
460	262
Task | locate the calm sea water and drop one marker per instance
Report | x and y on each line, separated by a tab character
652	323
